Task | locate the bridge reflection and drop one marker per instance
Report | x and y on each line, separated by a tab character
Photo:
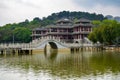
50	52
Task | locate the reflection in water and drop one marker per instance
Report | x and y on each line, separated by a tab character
51	55
82	65
106	62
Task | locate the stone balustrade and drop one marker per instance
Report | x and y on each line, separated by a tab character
39	42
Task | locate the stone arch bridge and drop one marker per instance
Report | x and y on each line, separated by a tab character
40	44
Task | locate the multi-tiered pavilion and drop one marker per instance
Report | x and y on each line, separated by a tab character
64	30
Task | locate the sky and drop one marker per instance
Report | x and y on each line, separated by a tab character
14	11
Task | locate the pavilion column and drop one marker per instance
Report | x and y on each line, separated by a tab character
57	30
80	36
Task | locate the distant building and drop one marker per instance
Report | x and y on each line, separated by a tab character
64	30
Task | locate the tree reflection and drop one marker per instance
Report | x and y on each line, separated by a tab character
105	62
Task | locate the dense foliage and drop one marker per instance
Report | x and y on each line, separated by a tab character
22	31
106	32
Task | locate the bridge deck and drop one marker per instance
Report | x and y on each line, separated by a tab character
41	42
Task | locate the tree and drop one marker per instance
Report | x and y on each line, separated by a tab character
107	32
22	35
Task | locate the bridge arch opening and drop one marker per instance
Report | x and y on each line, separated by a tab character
53	45
50	50
76	42
50	46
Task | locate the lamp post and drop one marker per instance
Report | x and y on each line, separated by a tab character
13	41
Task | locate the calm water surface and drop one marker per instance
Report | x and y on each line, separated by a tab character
61	66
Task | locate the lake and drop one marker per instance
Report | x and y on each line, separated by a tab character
61	66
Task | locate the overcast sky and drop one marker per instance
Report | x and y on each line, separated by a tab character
13	11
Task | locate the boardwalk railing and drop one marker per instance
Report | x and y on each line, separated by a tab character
15	45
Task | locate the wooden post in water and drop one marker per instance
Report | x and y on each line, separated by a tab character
31	51
119	48
4	52
16	52
13	51
72	50
1	52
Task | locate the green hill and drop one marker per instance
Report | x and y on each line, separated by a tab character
22	31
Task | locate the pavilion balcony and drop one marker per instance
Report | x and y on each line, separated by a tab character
82	32
38	34
59	33
83	24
